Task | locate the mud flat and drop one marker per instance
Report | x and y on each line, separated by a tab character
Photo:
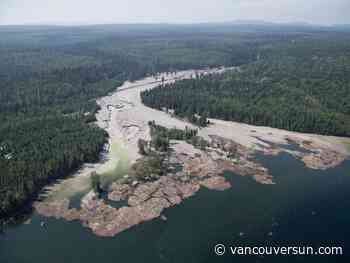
323	152
126	119
232	147
113	164
146	200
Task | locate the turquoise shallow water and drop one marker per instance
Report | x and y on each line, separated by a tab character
305	207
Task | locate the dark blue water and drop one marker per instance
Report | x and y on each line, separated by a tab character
305	207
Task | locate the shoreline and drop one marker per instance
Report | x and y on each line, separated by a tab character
126	119
78	181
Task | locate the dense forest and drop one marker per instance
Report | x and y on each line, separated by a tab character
301	85
51	76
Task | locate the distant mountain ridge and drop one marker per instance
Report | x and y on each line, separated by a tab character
249	23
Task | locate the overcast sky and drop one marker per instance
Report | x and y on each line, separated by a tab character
172	11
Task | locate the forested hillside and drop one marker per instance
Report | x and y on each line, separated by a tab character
300	85
51	76
38	149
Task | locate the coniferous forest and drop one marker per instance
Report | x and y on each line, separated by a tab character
302	85
51	76
291	77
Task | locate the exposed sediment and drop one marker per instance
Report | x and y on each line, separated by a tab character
319	156
232	147
145	202
148	200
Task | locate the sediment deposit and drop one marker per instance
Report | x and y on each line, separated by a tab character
232	147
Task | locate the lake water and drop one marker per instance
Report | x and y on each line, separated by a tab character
305	207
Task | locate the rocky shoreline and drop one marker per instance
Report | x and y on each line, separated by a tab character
231	147
313	155
147	200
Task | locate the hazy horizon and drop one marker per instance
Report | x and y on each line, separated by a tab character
79	12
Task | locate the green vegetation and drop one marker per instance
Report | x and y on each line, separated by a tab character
155	153
39	149
96	183
148	168
51	76
300	86
161	137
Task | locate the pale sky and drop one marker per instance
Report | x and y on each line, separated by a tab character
172	11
